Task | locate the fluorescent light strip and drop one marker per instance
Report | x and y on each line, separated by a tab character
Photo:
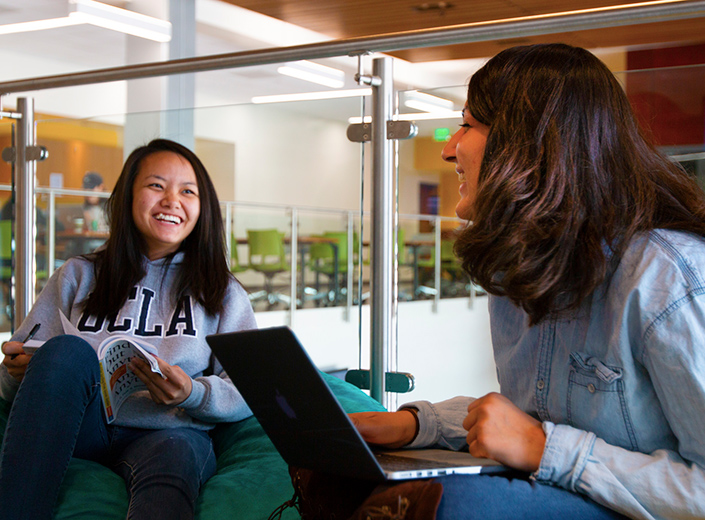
101	15
427	102
312	96
121	20
413	117
37	25
425	107
314	72
310	76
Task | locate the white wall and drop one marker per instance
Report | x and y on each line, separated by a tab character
448	352
283	157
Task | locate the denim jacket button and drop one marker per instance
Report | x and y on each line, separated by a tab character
591	388
540	384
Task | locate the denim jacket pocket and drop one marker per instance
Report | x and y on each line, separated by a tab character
596	401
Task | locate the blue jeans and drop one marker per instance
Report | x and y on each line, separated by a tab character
58	413
467	497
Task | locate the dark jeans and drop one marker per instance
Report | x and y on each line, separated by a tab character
485	497
58	413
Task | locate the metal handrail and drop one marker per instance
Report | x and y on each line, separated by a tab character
631	14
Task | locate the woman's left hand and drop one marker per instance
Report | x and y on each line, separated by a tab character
498	430
173	390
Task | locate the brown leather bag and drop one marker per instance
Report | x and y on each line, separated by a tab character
319	496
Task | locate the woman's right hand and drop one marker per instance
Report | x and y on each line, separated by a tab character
389	429
17	366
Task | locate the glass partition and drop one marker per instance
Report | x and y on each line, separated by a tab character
670	105
288	167
433	289
6	238
285	170
7	132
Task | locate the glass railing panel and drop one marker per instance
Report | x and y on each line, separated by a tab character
285	167
292	155
263	271
668	103
7	131
329	257
433	289
69	223
6	300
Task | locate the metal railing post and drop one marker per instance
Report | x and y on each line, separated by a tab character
437	263
25	231
382	316
349	300
229	239
294	264
51	234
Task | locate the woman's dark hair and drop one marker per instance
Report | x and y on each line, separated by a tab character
203	274
566	181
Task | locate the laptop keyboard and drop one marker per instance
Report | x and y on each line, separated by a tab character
398	463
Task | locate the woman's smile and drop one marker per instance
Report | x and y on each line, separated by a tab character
466	149
165	205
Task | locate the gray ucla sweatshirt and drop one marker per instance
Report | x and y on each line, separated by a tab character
177	331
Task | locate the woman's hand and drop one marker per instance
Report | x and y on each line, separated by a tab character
15	360
173	390
498	430
389	429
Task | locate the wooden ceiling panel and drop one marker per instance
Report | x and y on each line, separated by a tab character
343	19
684	32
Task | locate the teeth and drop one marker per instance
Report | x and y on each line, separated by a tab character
168	218
461	177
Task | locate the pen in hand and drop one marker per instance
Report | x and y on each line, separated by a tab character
29	336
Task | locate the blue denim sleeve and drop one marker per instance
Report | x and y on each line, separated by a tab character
441	424
659	485
662	484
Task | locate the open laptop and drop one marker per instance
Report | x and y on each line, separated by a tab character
307	425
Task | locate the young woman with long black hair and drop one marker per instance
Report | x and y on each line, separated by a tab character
162	277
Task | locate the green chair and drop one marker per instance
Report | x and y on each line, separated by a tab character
402	255
453	278
235	265
6	266
267	256
322	260
5	250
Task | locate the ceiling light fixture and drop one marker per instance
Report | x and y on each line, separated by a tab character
314	72
101	15
312	96
427	102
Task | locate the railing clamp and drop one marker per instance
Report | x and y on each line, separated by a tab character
34	153
362	132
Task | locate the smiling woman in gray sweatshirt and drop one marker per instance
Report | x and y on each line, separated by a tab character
162	278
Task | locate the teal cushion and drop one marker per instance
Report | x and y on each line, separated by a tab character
251	482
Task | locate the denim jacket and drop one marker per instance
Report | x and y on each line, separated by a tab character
620	387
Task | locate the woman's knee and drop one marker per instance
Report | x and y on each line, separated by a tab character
181	452
65	358
66	351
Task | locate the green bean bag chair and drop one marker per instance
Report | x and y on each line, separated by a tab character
251	482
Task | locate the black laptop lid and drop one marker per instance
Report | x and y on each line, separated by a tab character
293	403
